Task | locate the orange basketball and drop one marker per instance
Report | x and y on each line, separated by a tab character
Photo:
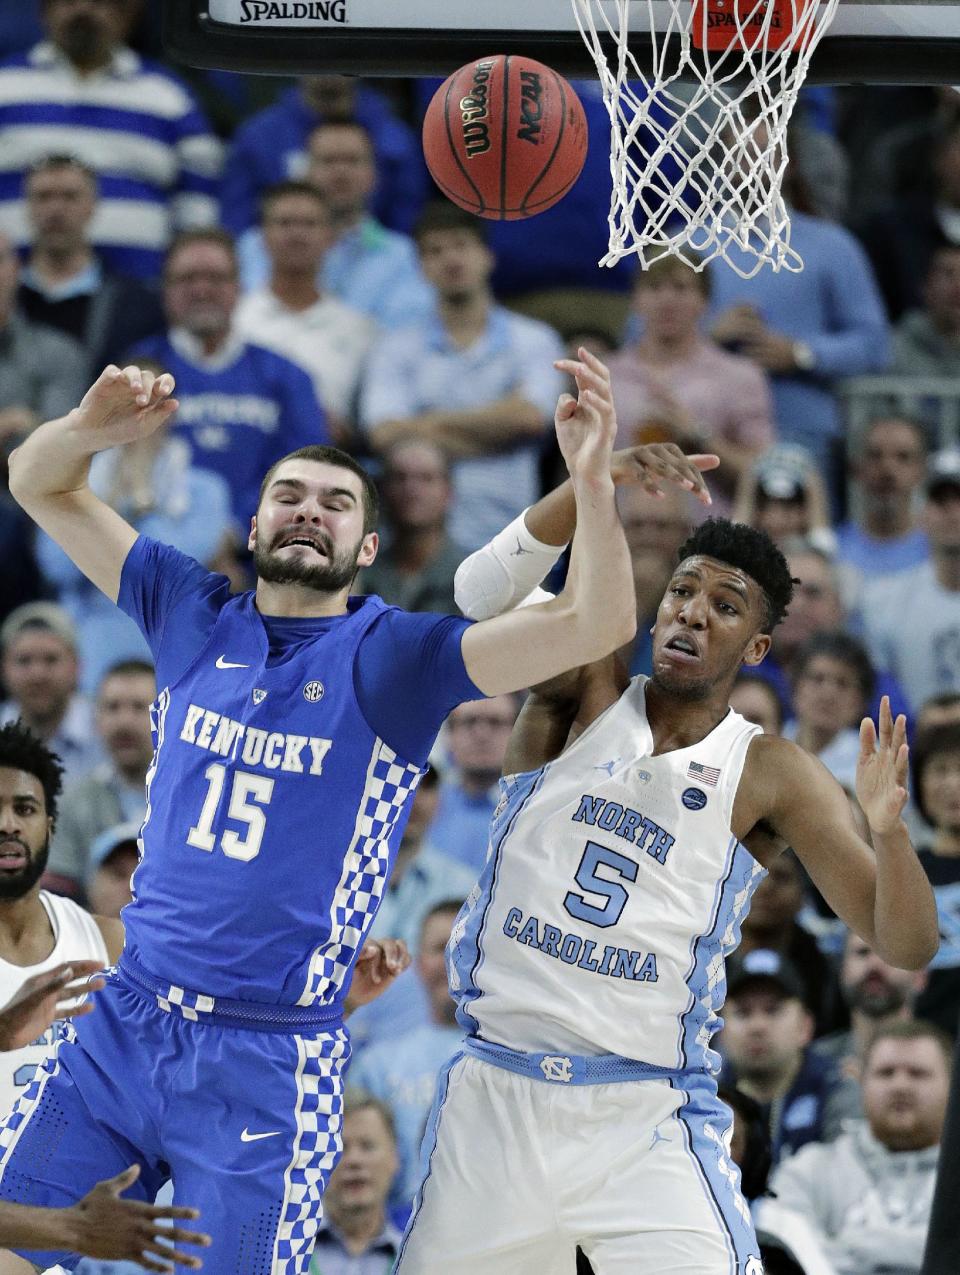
505	137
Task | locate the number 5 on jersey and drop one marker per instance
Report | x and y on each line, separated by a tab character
248	793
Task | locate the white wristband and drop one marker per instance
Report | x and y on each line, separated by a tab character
505	572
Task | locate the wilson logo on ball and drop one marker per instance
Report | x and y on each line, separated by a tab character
473	112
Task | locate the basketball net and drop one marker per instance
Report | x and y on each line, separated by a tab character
698	143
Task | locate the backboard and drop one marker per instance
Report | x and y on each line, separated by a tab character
870	41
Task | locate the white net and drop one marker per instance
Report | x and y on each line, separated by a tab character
698	135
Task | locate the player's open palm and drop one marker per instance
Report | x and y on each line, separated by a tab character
46	997
882	769
124	404
107	1227
586	425
653	465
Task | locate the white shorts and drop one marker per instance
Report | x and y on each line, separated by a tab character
519	1172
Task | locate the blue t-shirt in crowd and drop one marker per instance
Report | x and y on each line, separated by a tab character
239	414
287	755
875	557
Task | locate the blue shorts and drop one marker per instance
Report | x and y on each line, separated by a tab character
246	1122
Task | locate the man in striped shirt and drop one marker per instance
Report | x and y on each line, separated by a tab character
83	92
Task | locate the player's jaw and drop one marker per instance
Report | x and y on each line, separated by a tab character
21	866
308	558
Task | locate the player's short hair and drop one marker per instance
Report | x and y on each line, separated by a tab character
684	262
333	456
752	552
844	648
281	190
910	1029
202	234
931	741
440	215
357	1099
21	749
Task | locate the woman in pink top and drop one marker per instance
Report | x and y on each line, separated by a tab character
675	384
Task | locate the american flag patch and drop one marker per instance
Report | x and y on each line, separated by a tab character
706	774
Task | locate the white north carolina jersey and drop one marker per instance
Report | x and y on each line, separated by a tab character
76	937
612	893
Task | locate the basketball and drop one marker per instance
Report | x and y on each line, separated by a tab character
505	137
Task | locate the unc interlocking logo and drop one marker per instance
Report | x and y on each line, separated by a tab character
313	691
558	1069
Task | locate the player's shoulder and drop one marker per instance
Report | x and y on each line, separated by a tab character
773	762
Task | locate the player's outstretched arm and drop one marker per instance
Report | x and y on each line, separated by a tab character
45	998
881	893
596	612
104	1226
48	472
509	568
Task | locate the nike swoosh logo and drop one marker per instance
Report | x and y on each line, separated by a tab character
246	1136
222	663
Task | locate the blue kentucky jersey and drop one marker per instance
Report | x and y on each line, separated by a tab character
274	807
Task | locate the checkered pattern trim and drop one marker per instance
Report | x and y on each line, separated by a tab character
26	1105
322	1063
186	1004
390	783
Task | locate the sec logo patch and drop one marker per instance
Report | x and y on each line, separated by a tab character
312	692
694	798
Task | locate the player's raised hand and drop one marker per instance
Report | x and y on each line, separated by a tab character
122	405
102	1225
586	425
380	962
882	769
44	998
652	465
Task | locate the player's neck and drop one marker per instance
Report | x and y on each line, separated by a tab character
293	601
26	936
676	722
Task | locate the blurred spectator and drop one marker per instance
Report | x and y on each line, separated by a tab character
421	878
271	147
42	372
20	580
133	122
476	379
766	1036
476	735
935	763
887	473
868	1194
784	495
902	234
805	329
114	792
19	27
676	385
403	1073
655	528
114	856
152	484
64	283
241	406
38	649
938	710
912	619
368	267
356	1236
875	993
293	317
833	684
788	1245
772	925
758	702
414	569
926	342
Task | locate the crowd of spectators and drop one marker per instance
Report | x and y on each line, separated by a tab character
292	267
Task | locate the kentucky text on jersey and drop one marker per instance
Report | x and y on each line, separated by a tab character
616	962
626	823
272	749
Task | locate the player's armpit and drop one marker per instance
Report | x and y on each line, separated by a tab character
795	796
